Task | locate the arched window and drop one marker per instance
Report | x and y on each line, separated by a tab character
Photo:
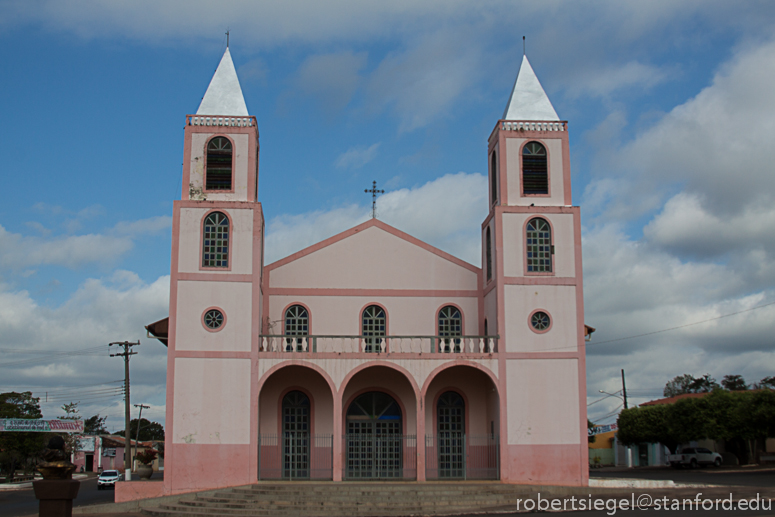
374	323
493	179
450	325
486	330
373	441
215	244
535	179
218	174
296	412
296	324
488	253
539	246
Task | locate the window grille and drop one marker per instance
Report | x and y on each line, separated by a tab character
215	244
539	246
296	324
450	325
488	252
374	324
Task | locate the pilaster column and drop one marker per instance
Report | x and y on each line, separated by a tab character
420	438
338	438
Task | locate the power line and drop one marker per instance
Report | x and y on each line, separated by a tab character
682	326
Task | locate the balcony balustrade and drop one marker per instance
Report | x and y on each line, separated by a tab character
477	345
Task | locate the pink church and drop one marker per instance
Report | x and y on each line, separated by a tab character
372	355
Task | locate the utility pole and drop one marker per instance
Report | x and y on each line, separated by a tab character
126	354
139	423
624	390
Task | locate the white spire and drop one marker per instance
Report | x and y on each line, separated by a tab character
224	95
528	99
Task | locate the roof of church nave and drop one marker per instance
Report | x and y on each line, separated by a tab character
528	99
224	95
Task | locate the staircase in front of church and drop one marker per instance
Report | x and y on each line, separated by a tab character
361	499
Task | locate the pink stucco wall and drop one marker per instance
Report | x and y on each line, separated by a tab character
240	148
559	301
351	263
241	246
554	148
514	248
306	380
478	392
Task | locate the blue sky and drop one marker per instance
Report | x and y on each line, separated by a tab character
671	118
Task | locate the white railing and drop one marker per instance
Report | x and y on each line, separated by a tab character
204	120
379	344
530	125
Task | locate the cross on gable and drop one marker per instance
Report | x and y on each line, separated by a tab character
374	193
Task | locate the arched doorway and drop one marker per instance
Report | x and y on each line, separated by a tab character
296	436
374	441
450	428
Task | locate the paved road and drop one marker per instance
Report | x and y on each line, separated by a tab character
18	503
734	476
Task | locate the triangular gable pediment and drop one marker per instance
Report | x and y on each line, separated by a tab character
373	255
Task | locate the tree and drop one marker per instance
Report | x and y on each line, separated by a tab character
590	438
678	385
19	449
71	439
148	430
704	384
768	383
734	383
95	425
687	383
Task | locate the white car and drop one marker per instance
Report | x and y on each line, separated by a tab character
108	478
694	457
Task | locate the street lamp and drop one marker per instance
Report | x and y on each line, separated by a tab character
624	400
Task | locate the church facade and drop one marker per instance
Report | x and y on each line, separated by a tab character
371	354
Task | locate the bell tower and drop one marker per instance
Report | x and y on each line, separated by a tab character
215	295
532	288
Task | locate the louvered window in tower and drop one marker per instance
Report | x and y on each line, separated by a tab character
535	179
218	175
493	179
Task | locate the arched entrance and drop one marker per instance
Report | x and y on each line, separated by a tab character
295	424
374	439
296	435
450	429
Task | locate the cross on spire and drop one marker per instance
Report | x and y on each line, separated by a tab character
227	38
374	193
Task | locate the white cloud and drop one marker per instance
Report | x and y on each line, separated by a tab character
446	212
717	145
17	251
603	82
331	78
100	311
73	251
422	83
356	157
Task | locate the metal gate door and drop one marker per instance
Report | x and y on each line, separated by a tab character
374	443
451	433
295	435
374	449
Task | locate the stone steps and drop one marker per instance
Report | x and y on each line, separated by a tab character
348	499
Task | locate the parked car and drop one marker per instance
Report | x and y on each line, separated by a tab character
108	478
694	457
